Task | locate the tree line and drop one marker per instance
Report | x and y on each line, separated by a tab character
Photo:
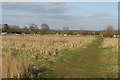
45	29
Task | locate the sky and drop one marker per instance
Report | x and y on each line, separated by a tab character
59	0
75	15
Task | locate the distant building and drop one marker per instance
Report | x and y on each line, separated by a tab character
101	35
116	36
3	33
91	35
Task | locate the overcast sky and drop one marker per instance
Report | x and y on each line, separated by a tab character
75	15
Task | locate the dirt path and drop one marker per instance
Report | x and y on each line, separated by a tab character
80	63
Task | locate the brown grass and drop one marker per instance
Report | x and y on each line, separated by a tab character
111	42
110	56
20	52
13	68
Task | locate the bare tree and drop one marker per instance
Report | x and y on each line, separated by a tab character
33	28
6	27
109	32
45	27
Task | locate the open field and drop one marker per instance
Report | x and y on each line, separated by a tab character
47	55
110	57
35	50
46	39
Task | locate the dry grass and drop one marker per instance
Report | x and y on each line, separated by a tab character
110	56
22	51
43	42
13	68
111	42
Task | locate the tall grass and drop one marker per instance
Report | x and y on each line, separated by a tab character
110	57
30	55
13	67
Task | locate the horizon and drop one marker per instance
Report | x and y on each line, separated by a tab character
39	27
75	15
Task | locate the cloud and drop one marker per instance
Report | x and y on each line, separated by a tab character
60	0
52	10
21	0
57	0
38	8
100	16
47	10
55	14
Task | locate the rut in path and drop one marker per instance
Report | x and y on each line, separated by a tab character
86	64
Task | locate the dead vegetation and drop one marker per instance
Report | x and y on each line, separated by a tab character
110	57
31	55
13	68
111	42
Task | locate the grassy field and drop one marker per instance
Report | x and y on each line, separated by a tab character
110	57
36	56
